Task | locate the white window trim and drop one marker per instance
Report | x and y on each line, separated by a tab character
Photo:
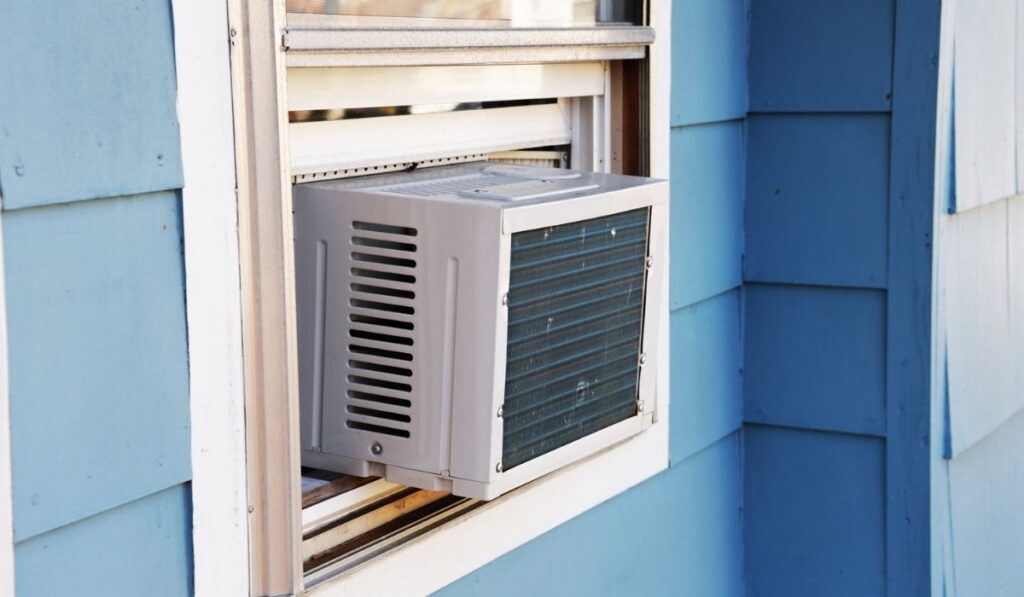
224	548
6	496
220	532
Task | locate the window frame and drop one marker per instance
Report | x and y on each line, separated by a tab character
247	521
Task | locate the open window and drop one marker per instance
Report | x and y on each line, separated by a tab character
337	90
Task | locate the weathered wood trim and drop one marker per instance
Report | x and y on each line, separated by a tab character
220	535
268	306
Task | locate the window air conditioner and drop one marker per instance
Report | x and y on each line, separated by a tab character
474	327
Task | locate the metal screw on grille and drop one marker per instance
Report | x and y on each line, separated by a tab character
376	449
497	467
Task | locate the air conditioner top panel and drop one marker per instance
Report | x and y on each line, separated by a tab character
495	185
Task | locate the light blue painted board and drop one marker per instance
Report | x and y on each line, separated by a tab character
676	534
141	548
88	102
986	379
817	199
706	211
706	376
815	358
814	515
1019	76
709	61
986	485
986	101
821	55
97	354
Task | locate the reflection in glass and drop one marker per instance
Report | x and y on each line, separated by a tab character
460	13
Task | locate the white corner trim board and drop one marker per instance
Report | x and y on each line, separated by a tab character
219	500
6	504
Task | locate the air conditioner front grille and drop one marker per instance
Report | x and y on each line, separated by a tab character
380	325
575	319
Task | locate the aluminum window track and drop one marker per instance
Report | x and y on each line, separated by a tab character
368	46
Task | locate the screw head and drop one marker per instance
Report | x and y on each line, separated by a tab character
497	467
639	406
501	411
649	262
643	358
504	299
376	449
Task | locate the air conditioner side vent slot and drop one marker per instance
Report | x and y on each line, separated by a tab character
381	322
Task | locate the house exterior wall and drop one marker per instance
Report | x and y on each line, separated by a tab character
815	297
98	378
679	532
830	432
978	390
837	306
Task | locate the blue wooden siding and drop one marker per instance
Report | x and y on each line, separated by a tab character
988	101
984	516
143	548
89	171
978	474
709	61
99	379
707	381
707	211
87	109
817	198
984	303
677	534
815	358
821	55
835	469
812	520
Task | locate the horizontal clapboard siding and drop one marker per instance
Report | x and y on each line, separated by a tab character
88	107
678	533
98	357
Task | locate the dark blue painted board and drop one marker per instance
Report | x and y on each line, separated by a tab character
813	513
821	55
709	61
815	357
97	355
88	102
706	386
817	199
707	211
677	534
141	548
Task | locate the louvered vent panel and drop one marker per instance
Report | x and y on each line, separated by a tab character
576	302
380	324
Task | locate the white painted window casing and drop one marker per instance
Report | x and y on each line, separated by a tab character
482	534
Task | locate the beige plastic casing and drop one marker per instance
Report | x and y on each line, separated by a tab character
463	246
